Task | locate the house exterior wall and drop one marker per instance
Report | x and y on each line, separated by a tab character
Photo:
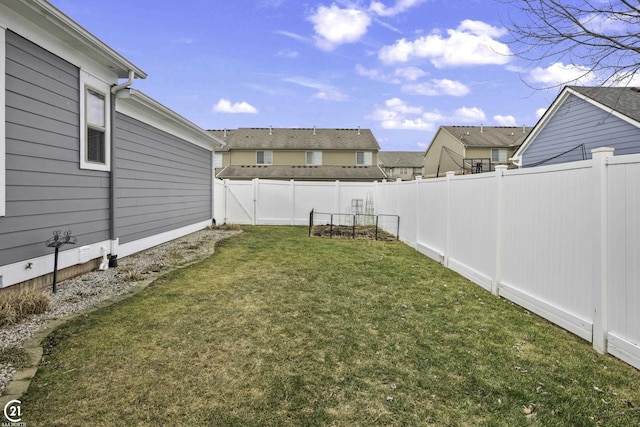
485	153
580	122
45	188
162	182
432	157
288	157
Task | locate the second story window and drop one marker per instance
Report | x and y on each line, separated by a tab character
264	157
499	155
314	158
217	160
364	158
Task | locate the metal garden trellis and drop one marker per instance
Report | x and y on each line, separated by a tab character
56	242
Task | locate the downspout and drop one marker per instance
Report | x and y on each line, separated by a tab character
113	227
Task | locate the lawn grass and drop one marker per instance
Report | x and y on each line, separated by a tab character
279	329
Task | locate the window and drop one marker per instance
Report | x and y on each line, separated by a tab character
217	160
403	171
314	157
96	127
364	158
499	155
95	122
264	157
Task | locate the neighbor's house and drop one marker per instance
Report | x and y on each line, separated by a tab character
472	149
581	119
81	153
404	165
299	154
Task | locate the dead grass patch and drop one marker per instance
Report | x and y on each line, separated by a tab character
15	306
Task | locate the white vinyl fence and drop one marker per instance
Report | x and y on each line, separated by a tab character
562	241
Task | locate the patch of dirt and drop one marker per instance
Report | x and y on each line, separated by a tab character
364	232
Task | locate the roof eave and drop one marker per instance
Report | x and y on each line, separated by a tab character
163	112
51	19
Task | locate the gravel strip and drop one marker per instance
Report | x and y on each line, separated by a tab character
85	291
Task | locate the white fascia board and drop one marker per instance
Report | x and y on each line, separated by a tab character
139	106
40	17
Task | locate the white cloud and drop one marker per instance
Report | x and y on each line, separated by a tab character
325	92
540	112
469	115
288	53
472	43
375	74
436	87
409	73
292	35
225	106
606	23
398	76
335	26
401	5
505	120
330	96
557	74
397	114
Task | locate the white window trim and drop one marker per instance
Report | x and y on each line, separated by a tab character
87	81
3	143
315	161
264	151
367	158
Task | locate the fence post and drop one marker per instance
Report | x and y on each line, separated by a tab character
256	190
601	249
417	180
447	238
292	200
495	283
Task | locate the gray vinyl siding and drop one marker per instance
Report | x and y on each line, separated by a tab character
579	122
162	181
46	190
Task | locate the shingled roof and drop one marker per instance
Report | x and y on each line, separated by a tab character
297	139
489	136
321	173
401	159
624	100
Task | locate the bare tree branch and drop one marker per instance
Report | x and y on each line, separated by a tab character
600	37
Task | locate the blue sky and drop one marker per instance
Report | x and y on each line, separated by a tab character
399	67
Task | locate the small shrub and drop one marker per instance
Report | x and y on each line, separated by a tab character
16	306
131	275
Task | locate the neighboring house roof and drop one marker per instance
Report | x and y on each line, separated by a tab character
50	19
621	102
324	173
297	139
400	159
488	136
